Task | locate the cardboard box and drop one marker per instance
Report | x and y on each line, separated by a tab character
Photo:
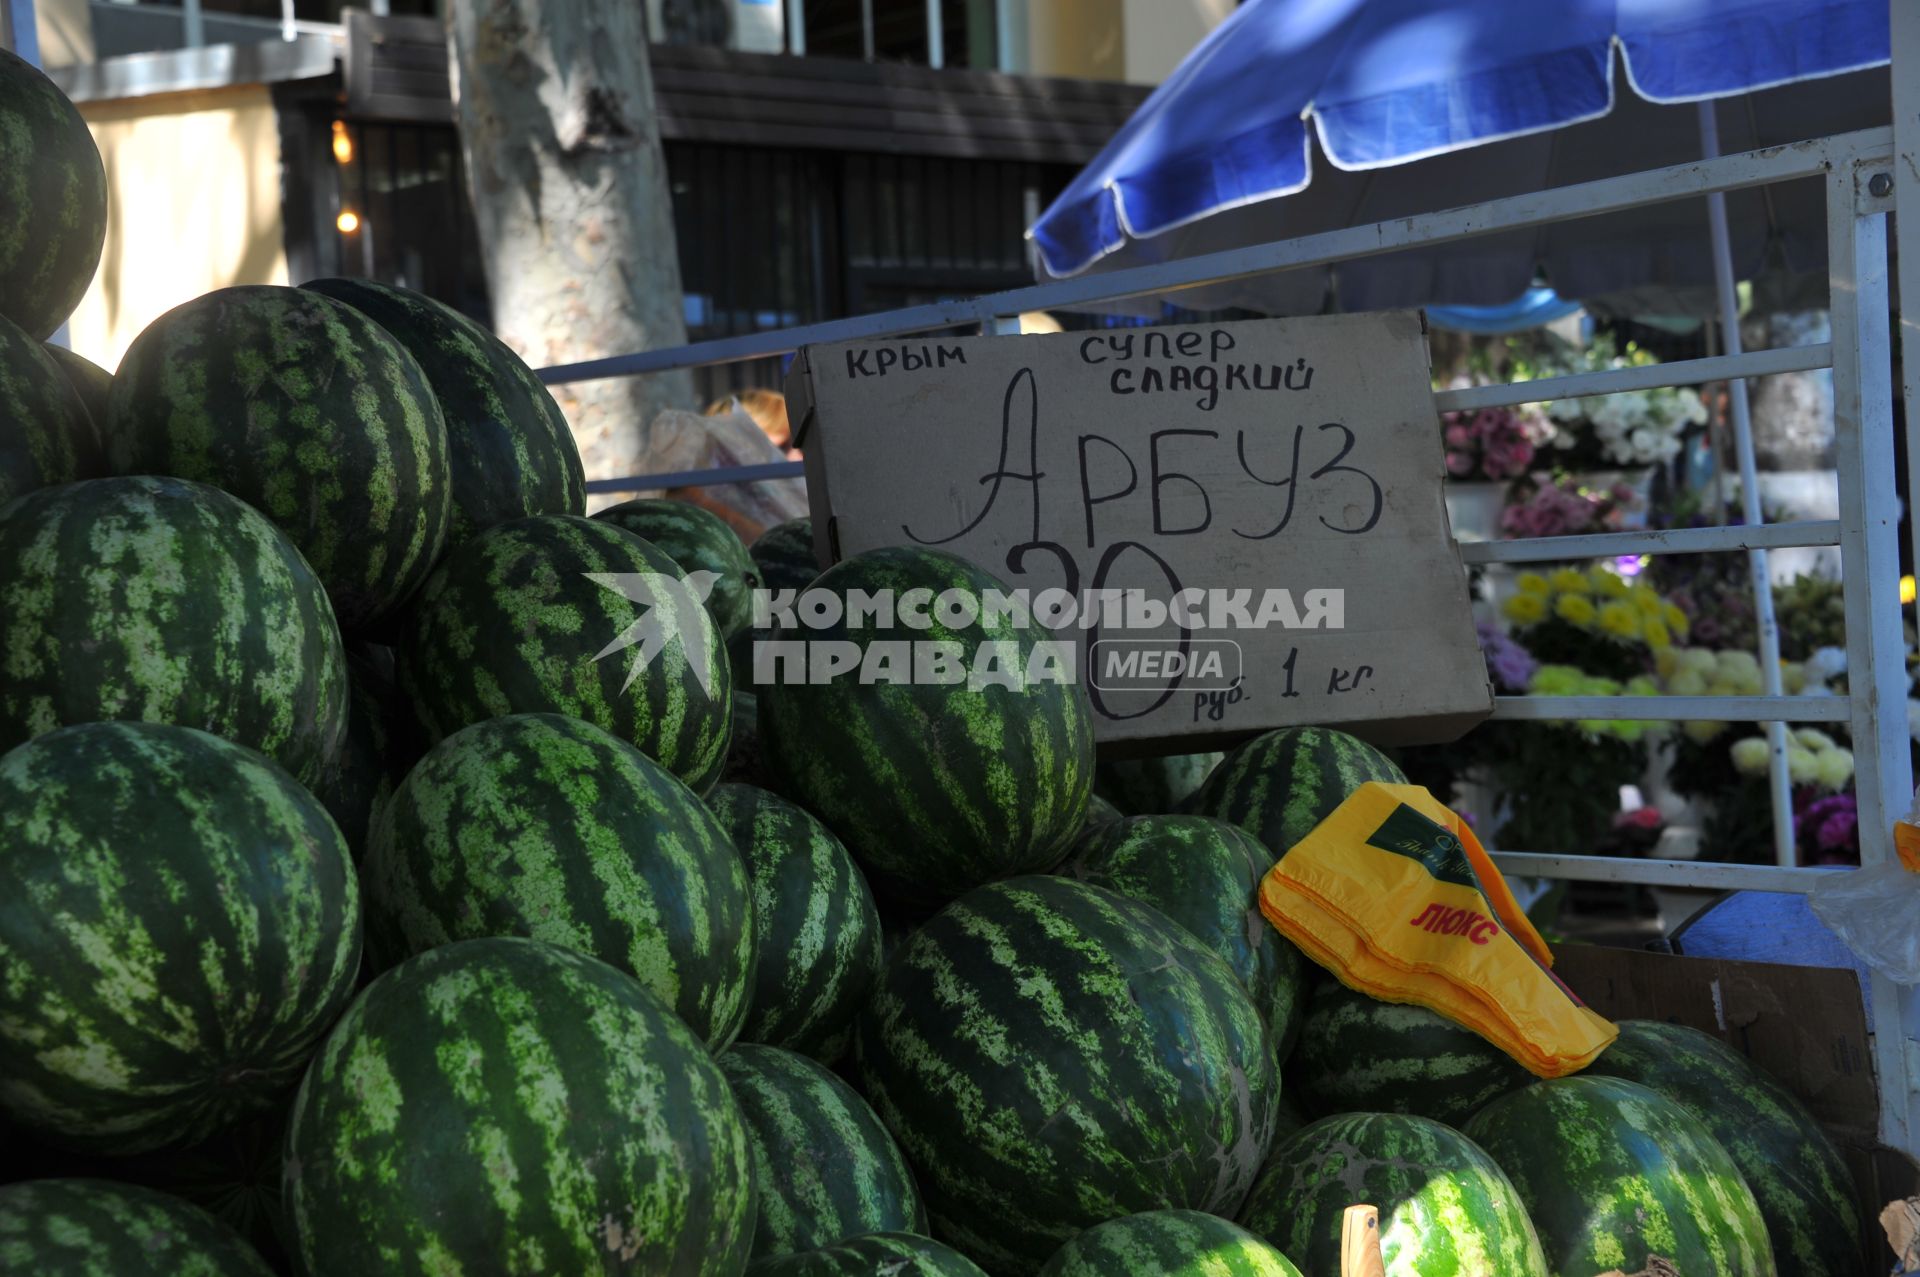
1294	465
1807	1026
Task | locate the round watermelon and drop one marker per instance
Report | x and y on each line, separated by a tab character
510	452
743	748
1615	1176
814	921
1100	813
376	752
158	599
1168	1243
564	615
1803	1187
1360	1055
784	555
544	826
935	786
1052	1055
1278	786
307	410
1154	786
96	1228
49	437
699	541
90	383
510	1107
53	201
825	1167
1205	875
875	1255
179	923
1445	1207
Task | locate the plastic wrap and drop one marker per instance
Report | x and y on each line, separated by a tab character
1876	911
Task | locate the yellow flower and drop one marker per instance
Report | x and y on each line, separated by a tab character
1813	738
1570	581
1532	583
1656	634
1641	685
1525	609
1577	608
1700	660
1556	680
1793	677
1676	619
1646	602
1607	583
1803	765
1702	730
1750	756
1686	682
1620	620
1834	768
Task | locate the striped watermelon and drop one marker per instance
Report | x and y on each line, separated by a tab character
1168	1243
376	752
307	410
814	920
935	787
826	1170
784	554
1804	1190
179	923
1278	786
90	382
167	601
699	541
1615	1176
53	201
1360	1055
1205	875
1052	1055
513	1108
510	451
49	437
743	748
1154	786
95	1228
512	622
875	1255
1446	1210
545	826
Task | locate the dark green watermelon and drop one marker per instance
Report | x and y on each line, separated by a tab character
307	410
53	201
513	1108
1154	786
1278	786
743	749
158	599
179	923
814	921
376	752
510	451
89	380
541	825
1168	1243
875	1255
1803	1187
1100	812
825	1168
95	1228
1051	1055
1205	875
514	622
1445	1207
935	787
699	541
1615	1175
48	437
784	553
1360	1055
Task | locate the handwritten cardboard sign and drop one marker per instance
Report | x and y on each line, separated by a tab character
1248	514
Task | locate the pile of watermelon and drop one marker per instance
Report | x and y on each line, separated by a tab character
402	873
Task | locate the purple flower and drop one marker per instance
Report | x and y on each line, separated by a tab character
1510	664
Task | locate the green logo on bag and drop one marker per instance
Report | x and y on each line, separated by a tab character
1406	832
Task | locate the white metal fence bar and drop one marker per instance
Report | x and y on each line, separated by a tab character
1519	212
1667	709
1611	545
699	478
1681	372
1706	874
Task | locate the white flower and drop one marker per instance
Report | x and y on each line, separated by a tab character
1826	664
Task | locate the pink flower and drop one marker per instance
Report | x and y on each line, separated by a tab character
1458	436
1459	464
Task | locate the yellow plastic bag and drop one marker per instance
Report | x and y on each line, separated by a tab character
1394	895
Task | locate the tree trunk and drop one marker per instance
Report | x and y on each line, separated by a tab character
562	144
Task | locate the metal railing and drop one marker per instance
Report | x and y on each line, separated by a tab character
1859	356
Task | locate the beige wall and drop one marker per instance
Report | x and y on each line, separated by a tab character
65	29
1139	41
193	190
1162	32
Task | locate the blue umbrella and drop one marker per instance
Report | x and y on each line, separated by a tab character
1296	116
